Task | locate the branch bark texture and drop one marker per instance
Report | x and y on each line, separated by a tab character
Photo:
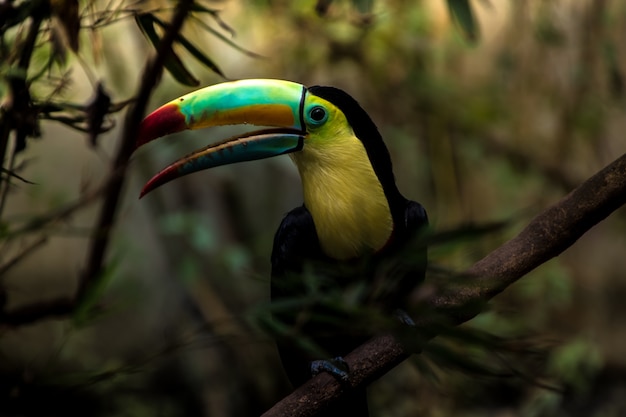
546	236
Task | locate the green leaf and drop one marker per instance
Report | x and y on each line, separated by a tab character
194	51
576	363
193	227
87	309
364	6
461	12
200	56
215	14
69	18
13	15
226	40
173	64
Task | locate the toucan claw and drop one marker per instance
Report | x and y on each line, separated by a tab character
337	367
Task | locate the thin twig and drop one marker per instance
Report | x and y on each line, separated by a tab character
37	223
11	174
4	193
20	103
57	307
23	254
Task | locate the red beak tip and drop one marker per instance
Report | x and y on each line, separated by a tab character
145	135
163	121
145	190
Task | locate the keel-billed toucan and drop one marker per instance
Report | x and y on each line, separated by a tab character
354	225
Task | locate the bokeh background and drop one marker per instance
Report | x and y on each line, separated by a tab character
485	126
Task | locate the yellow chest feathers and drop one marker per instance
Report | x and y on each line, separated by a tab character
346	200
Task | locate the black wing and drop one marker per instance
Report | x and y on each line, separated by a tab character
295	245
402	265
416	222
296	255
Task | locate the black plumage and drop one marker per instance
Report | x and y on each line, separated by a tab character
307	285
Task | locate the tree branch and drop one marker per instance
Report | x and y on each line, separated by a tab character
23	254
56	307
17	116
546	236
149	78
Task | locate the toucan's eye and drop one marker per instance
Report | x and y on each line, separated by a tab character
318	115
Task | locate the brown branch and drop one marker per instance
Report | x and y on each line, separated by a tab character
149	78
15	116
545	237
37	223
56	307
22	255
111	187
525	161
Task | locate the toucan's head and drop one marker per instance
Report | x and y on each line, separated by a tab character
347	180
316	122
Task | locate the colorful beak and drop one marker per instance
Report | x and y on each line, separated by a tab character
274	103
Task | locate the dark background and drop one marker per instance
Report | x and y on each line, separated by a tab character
483	128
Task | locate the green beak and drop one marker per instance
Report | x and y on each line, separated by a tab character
274	103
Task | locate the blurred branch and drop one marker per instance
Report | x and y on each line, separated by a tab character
585	84
111	188
57	307
23	254
16	114
463	16
545	237
526	161
12	174
149	78
39	222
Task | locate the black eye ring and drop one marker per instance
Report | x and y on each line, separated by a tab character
317	114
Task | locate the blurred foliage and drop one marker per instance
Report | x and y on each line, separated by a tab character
491	110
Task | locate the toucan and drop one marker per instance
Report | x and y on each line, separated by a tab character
352	242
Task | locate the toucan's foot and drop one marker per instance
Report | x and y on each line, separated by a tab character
404	317
337	367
